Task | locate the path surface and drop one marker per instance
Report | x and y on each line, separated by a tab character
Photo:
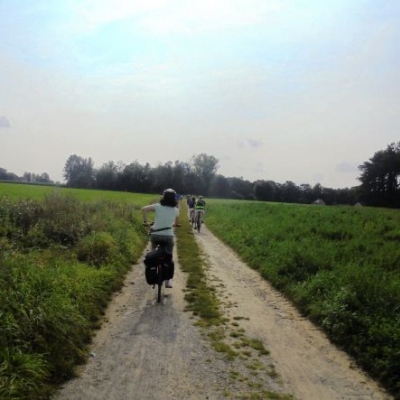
150	351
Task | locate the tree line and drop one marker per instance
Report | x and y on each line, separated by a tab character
196	176
28	177
379	180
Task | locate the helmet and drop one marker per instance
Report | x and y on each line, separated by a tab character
169	191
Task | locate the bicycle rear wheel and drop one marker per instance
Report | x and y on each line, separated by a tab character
159	283
198	222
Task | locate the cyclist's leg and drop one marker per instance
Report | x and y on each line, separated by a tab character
153	242
198	220
170	247
167	241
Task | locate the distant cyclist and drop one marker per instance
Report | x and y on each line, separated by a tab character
191	204
200	208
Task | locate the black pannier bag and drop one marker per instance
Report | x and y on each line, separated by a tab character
153	259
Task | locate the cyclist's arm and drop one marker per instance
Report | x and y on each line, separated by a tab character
145	210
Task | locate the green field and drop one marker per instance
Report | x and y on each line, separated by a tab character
63	252
339	265
16	191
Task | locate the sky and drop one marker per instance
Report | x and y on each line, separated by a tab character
283	90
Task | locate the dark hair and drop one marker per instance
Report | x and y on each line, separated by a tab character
169	198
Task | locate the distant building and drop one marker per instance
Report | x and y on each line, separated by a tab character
319	202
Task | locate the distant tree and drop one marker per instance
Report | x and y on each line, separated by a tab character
79	172
162	177
27	177
347	196
306	194
136	177
380	177
317	191
3	173
43	178
205	168
8	176
241	189
191	183
289	192
220	187
180	171
107	176
264	190
329	196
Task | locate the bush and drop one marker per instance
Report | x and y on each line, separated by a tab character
97	249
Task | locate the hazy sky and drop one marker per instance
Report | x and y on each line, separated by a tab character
299	90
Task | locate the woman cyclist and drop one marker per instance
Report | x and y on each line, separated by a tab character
165	218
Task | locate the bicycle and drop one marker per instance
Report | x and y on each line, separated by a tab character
198	221
159	266
192	216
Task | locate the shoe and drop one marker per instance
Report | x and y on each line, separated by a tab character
168	283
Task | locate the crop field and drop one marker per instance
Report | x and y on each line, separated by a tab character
339	265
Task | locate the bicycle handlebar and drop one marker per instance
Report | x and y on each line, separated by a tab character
152	223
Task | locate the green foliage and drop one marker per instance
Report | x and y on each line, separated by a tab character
202	300
339	265
60	260
97	249
21	374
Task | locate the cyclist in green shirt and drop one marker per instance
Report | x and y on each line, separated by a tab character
200	208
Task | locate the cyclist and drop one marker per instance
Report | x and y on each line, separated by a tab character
165	218
200	208
191	205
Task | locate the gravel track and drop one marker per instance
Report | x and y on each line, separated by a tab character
147	351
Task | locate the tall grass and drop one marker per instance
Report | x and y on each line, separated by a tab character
339	265
60	260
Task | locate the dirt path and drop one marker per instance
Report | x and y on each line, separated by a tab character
150	351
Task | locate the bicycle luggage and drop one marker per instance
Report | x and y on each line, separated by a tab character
155	258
